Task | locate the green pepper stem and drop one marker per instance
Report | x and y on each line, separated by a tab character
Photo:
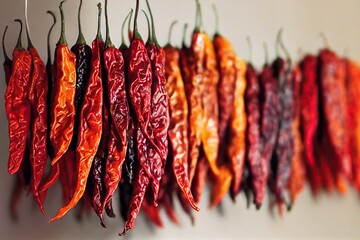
98	34
170	30
3	45
30	45
108	43
216	14
282	45
153	33
324	39
49	35
150	40
248	40
200	25
130	33
123	44
19	42
136	31
62	39
184	35
81	39
266	51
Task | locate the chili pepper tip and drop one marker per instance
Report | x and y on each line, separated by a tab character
216	14
170	31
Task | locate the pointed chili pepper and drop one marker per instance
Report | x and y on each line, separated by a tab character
117	146
17	105
39	120
159	119
63	107
90	130
7	61
178	129
200	177
309	118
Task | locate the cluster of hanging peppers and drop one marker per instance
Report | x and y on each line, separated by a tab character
157	122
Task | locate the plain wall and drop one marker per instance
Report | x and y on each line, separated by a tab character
328	217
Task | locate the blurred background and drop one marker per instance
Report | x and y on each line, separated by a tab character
327	217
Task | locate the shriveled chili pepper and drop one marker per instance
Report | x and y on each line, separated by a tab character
150	211
178	129
297	177
17	105
237	129
199	181
309	118
353	112
38	93
119	111
270	107
63	107
90	130
139	76
7	61
159	119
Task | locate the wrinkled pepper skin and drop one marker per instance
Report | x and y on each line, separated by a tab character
90	130
236	147
18	108
39	132
63	107
310	118
353	113
270	111
178	128
252	106
119	110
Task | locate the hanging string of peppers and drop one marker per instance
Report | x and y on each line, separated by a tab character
157	124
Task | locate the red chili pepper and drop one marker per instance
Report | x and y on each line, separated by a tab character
17	105
90	130
39	120
63	107
7	61
199	181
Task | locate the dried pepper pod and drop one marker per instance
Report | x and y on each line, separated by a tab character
38	94
200	177
17	105
310	118
297	177
7	61
236	147
353	111
178	128
119	112
63	107
90	128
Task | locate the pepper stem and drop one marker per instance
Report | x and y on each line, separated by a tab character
30	45
199	20
123	44
49	35
150	40
98	34
108	43
266	51
130	33
325	40
153	33
184	35
282	45
81	39
248	40
170	30
3	45
19	42
216	14
136	31
62	39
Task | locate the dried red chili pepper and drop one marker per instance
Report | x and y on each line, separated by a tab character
309	118
63	107
7	61
17	105
38	93
178	129
237	129
200	177
90	130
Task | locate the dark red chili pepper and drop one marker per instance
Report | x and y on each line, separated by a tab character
63	107
199	181
119	110
38	93
7	61
17	105
150	211
91	120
